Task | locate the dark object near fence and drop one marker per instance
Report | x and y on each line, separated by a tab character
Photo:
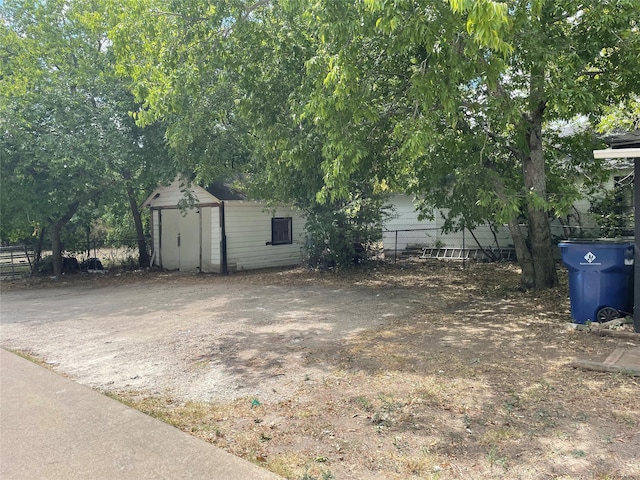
359	253
70	264
92	264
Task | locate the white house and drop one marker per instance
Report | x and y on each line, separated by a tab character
223	231
403	230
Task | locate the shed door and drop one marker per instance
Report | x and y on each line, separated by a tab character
190	234
170	229
180	240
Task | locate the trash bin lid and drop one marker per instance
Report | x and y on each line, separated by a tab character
606	241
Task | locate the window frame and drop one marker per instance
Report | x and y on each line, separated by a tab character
278	233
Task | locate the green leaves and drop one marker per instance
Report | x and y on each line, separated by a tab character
488	22
69	142
323	102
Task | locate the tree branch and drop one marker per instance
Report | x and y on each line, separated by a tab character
516	152
73	208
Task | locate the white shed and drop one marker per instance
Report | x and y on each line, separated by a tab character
222	232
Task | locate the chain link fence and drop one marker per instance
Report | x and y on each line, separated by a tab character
418	243
483	243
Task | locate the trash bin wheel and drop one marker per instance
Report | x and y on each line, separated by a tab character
607	314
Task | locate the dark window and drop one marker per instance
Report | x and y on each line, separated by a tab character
281	231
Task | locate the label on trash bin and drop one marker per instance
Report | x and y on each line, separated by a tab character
590	258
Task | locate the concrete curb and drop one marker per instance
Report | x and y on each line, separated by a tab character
52	428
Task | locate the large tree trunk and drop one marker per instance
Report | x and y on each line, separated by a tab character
55	228
545	275
535	181
523	253
56	247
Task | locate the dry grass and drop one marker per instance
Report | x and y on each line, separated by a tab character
475	385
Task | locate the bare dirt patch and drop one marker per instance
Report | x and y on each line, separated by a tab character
416	371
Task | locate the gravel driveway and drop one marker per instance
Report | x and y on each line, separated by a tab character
194	338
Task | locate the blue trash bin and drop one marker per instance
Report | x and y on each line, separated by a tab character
600	279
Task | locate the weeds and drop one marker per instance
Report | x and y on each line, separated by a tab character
512	403
578	453
27	355
495	459
364	403
324	475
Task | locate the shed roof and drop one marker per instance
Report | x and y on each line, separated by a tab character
171	194
225	192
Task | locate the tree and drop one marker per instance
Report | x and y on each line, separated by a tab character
47	116
230	80
622	117
461	103
475	99
67	136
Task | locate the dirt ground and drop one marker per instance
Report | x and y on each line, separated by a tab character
388	372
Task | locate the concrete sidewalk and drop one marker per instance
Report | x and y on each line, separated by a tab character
52	428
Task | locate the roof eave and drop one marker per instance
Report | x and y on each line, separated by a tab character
617	153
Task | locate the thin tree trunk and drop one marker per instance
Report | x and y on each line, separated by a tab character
38	253
143	254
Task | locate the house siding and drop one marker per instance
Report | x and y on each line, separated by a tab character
404	229
405	217
248	230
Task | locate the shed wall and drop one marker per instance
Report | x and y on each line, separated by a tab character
215	258
210	239
248	230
